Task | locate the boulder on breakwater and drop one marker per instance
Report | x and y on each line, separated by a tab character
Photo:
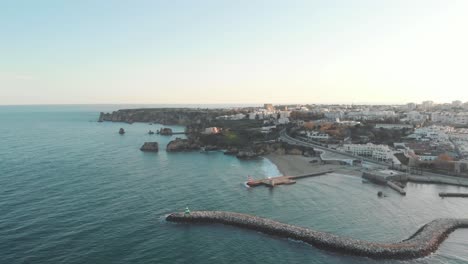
425	241
150	147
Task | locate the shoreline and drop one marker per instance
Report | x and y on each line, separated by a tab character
291	165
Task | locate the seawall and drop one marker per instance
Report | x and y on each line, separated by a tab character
439	180
426	240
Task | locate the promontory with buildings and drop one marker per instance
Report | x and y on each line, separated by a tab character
417	137
385	144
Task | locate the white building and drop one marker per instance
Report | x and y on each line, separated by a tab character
281	116
416	117
316	135
282	120
334	115
284	114
231	117
411	106
450	118
433	134
427	104
377	152
457	103
370	115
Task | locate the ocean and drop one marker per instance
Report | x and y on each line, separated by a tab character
73	190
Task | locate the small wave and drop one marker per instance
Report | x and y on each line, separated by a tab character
246	185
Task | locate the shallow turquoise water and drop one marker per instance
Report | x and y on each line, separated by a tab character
74	191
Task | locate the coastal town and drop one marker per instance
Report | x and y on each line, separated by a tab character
386	144
201	132
426	136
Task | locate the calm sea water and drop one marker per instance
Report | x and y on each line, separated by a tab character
74	191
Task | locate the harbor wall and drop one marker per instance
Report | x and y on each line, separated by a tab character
439	180
426	240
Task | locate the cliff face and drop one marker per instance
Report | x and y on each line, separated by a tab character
166	116
182	145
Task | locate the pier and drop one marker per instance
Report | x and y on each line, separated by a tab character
283	180
444	194
395	187
422	243
386	177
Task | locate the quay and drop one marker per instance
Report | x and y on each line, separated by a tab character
422	243
444	194
283	180
395	187
449	180
386	177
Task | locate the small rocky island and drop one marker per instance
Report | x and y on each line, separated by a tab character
165	131
150	147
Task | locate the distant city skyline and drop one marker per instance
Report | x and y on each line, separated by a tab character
243	52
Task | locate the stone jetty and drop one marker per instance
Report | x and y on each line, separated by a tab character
445	194
283	180
425	241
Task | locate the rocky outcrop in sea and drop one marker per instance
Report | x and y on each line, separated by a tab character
422	243
165	131
150	147
180	144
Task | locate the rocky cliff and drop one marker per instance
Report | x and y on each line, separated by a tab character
180	144
167	116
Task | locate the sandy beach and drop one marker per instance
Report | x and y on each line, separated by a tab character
292	165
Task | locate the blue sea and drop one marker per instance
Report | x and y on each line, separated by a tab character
73	190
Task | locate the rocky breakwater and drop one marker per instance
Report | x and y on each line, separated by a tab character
426	240
180	144
150	147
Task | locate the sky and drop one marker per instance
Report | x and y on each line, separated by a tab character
228	52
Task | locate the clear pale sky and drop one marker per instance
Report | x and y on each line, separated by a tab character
245	51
